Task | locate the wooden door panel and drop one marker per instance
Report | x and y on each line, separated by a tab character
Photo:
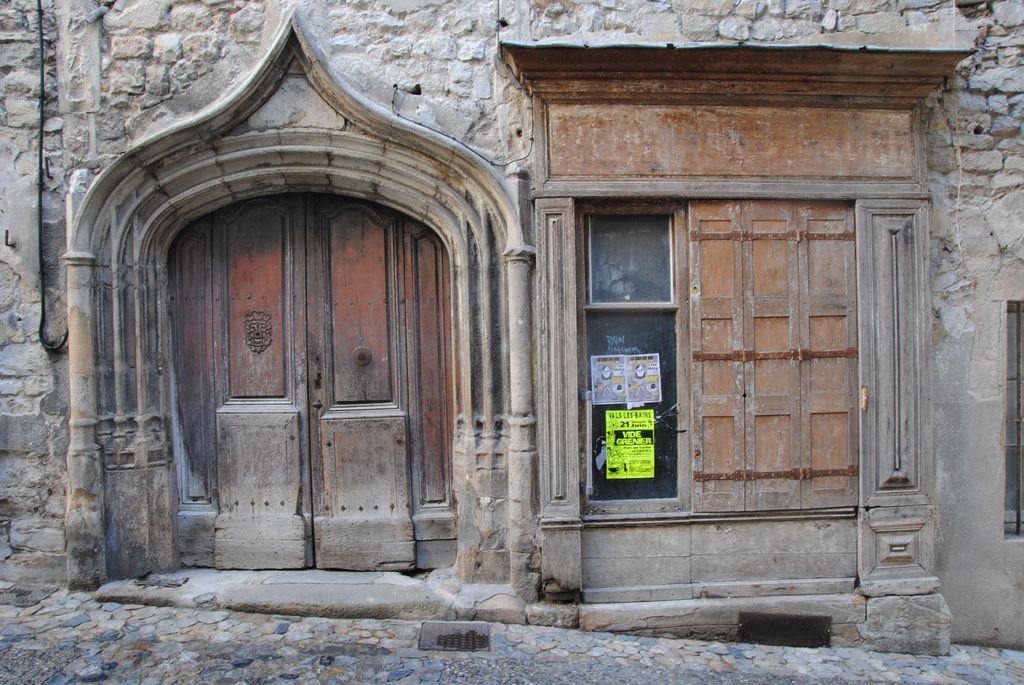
362	513
829	378
772	374
357	260
258	319
313	353
427	303
716	309
364	522
259	471
192	321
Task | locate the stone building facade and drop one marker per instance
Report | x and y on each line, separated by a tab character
502	140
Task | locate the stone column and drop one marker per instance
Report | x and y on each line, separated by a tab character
84	516
522	452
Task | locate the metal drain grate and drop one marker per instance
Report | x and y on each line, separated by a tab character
25	597
455	636
785	630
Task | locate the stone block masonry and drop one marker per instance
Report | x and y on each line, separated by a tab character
33	393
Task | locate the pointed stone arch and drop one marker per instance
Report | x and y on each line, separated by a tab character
293	125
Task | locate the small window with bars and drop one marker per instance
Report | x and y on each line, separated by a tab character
1013	520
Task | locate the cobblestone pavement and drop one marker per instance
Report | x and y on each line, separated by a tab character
70	638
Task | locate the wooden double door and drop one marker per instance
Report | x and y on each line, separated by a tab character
312	380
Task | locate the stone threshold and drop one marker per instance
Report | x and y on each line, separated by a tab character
912	624
436	595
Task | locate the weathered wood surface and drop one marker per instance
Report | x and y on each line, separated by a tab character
774	588
727	142
604	573
772	566
191	271
363	520
636	543
773	310
302	319
662	71
770	537
196	538
639	560
255	542
257	314
559	410
428	319
357	273
259	467
894	270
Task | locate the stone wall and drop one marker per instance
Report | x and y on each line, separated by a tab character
976	162
33	384
129	68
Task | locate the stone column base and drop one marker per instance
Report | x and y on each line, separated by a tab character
916	624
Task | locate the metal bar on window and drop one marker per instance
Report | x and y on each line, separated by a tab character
1019	499
1015	416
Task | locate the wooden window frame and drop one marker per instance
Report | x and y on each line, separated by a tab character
676	211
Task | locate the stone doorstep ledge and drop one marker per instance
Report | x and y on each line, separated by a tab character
917	624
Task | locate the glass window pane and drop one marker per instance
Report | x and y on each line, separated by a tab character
630	259
637	333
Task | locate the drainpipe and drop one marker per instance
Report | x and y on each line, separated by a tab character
48	345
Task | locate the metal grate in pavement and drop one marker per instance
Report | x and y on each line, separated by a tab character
786	630
455	636
25	596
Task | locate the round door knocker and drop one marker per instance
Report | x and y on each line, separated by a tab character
362	356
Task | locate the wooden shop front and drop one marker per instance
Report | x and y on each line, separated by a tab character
732	317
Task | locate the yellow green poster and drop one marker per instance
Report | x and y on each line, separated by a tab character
629	436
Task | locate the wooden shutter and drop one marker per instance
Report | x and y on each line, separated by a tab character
773	316
828	373
771	369
716	306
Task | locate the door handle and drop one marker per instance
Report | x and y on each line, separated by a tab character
362	356
318	405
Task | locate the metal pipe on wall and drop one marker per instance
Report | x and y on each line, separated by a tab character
48	345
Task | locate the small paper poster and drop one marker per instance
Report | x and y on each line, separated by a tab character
629	443
608	379
643	379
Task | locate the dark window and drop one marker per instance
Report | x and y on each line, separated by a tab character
631	316
1014	408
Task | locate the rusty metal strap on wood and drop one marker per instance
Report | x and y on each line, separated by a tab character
786	235
754	355
791	474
